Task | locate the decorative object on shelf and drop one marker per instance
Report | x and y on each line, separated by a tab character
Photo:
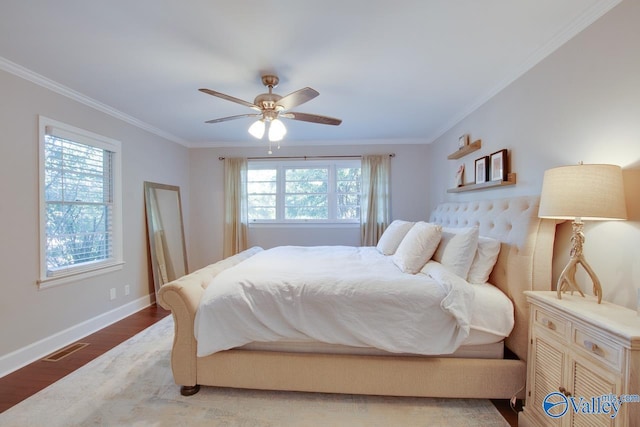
499	165
482	171
460	176
579	193
463	141
461	152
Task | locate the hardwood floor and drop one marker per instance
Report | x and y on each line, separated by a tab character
29	380
19	385
504	406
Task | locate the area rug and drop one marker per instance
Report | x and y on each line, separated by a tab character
132	385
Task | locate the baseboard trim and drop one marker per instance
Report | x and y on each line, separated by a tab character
19	358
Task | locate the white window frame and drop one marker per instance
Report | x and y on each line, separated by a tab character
281	165
115	261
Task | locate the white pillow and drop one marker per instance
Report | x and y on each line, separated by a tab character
392	236
417	247
457	249
485	259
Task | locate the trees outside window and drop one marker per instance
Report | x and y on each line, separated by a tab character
308	191
80	207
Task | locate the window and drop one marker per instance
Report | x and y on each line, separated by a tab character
304	191
79	203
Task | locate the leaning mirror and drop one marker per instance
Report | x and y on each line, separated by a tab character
166	233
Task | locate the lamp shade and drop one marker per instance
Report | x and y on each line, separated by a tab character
277	130
588	192
257	129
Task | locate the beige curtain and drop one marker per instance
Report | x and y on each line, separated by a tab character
375	203
235	206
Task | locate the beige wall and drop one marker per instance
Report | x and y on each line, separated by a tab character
582	103
32	320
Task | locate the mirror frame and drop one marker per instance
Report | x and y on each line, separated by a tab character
149	190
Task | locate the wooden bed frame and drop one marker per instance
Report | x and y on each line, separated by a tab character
524	264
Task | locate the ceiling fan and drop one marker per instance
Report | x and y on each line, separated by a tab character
271	107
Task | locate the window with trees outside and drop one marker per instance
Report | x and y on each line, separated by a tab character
80	228
304	191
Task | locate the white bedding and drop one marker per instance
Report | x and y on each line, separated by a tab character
351	296
492	320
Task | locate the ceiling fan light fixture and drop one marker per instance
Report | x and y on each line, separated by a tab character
271	106
277	130
257	129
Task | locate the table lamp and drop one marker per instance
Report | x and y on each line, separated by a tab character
582	193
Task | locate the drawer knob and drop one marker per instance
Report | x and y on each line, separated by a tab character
564	391
593	347
549	324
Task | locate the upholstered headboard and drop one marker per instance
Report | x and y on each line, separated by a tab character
525	258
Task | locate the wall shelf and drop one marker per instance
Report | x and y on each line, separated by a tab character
475	145
511	180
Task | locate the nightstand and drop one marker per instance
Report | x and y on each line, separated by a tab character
581	354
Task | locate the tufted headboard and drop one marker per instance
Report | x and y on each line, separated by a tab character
525	258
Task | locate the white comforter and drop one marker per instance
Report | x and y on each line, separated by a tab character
335	294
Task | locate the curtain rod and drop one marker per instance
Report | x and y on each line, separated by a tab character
304	157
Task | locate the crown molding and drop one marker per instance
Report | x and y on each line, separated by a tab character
580	23
26	74
307	143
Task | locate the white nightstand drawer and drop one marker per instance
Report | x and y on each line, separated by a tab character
601	350
551	322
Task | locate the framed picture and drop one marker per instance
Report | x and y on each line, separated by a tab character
482	169
463	141
499	165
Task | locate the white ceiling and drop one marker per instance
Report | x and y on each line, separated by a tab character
405	71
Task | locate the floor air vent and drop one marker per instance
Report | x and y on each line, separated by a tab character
61	354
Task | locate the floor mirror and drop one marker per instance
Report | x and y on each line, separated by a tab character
166	233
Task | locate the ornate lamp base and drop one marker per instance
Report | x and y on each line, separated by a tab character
567	279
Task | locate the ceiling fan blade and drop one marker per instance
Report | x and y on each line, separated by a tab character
230	98
313	118
296	98
240	116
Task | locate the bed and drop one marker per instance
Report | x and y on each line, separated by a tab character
524	263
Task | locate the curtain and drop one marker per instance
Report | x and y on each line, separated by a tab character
375	203
235	206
